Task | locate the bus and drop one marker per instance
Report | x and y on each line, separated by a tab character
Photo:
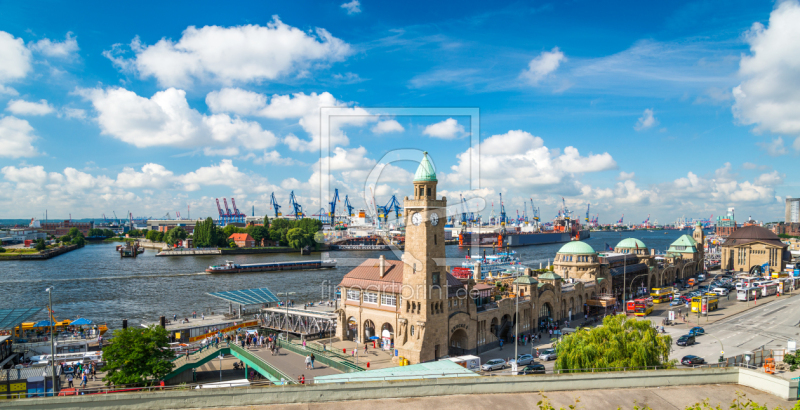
82	357
641	307
711	301
661	295
769	289
746	294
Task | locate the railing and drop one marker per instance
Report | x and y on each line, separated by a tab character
327	357
611	369
148	389
273	371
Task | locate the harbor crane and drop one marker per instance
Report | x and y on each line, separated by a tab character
587	212
348	206
273	203
463	211
392	205
502	211
296	207
333	202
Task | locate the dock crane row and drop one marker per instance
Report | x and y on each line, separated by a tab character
226	217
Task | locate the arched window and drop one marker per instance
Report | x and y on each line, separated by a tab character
412	330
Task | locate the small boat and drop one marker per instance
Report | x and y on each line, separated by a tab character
231	267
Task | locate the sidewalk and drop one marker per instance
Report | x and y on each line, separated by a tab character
377	358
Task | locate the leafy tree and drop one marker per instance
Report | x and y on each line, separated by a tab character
40	245
266	221
138	355
79	240
175	235
793	360
65	239
620	342
73	232
296	238
232	245
2	249
258	233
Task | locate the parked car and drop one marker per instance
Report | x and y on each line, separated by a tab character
721	291
537	368
697	331
522	360
686	299
494	364
692	360
548	354
685	340
701	277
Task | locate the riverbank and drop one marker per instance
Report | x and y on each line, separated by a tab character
45	254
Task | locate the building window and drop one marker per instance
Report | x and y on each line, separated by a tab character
434	239
436	279
429	191
370	297
388	300
412	330
353	295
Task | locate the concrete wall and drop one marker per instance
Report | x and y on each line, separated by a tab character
391	389
785	389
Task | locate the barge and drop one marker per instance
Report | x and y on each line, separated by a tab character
230	267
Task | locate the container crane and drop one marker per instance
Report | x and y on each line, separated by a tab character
222	217
332	203
273	203
502	211
589	205
463	211
348	206
296	207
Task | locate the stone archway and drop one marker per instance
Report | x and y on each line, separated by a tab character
505	327
369	330
493	326
459	342
756	270
545	311
387	336
352	328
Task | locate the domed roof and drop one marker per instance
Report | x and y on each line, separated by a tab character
550	276
577	247
752	233
631	243
425	171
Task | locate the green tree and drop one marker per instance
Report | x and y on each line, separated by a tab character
620	342
175	235
137	356
296	238
266	221
40	245
73	232
2	249
79	240
258	233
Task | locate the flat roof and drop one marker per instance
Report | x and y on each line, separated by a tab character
255	296
199	322
11	318
430	370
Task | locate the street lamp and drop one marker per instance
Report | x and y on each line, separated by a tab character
287	311
52	342
221	355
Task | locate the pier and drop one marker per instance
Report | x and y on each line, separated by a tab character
190	252
302	322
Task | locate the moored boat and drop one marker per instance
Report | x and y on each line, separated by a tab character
231	267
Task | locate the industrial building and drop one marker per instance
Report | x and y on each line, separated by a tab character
62	228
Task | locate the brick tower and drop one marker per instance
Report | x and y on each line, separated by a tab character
423	322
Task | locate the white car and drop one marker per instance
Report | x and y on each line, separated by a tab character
548	354
494	364
721	291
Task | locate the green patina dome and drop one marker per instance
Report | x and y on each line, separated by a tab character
577	247
631	243
550	276
425	171
525	280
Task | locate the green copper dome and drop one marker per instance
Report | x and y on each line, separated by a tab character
425	172
577	248
631	243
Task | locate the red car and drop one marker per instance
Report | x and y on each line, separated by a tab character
686	299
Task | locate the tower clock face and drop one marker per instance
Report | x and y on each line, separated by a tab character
434	219
416	219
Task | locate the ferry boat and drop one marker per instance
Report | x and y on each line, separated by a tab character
230	267
500	265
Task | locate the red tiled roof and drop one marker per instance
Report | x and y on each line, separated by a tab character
241	237
367	276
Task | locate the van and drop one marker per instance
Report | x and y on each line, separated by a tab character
720	291
691	281
701	277
685	340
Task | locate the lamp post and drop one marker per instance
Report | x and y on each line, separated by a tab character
516	337
52	342
220	366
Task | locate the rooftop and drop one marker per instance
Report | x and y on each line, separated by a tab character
752	233
425	172
631	243
430	370
577	247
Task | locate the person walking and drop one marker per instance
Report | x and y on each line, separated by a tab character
83	381
194	314
304	344
203	316
69	380
312	357
308	362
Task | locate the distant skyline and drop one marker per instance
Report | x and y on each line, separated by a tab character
672	110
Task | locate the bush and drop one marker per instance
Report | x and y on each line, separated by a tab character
2	249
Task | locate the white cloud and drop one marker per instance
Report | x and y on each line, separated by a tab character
796	144
66	49
387	126
543	65
16	59
166	119
447	129
769	95
749	165
273	157
16	138
7	90
774	147
646	121
353	7
76	113
519	159
229	55
236	101
22	107
623	176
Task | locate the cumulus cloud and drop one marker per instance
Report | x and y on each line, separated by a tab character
166	119
387	126
520	159
543	65
16	60
353	7
16	138
623	176
66	49
22	107
769	95
304	107
229	55
774	147
646	121
447	129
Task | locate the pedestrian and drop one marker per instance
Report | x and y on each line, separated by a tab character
501	344
366	348
83	381
174	318
304	344
194	314
203	316
69	380
302	379
308	362
312	360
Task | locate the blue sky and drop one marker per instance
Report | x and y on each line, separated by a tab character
677	109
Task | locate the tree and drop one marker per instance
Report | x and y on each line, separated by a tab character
258	233
73	232
40	245
620	342
175	235
266	221
2	249
79	240
296	238
138	355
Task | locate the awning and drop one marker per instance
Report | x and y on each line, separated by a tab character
247	296
81	322
42	323
11	318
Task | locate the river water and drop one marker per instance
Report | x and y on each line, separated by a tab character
95	283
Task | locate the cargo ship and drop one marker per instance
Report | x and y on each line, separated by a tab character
230	267
563	230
